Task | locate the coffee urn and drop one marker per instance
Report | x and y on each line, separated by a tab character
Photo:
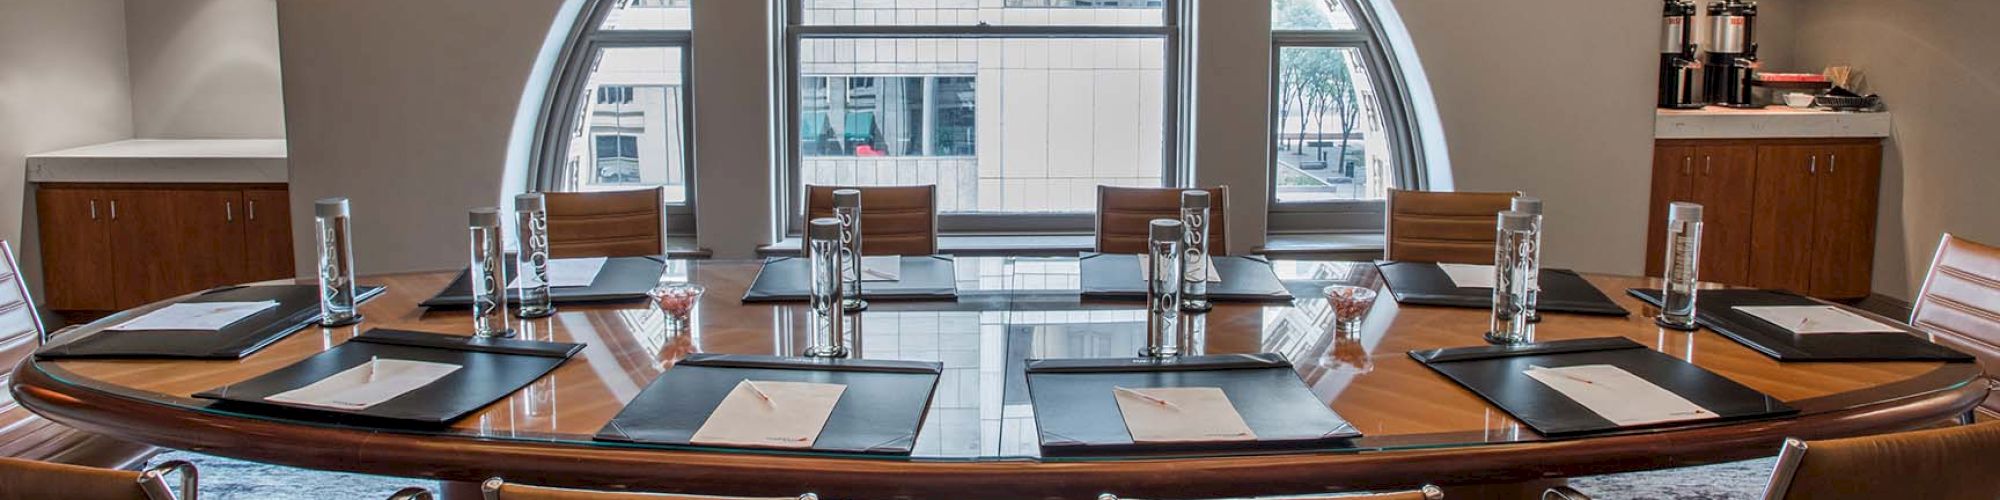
1732	53
1677	56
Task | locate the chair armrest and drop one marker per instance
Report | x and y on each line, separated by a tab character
411	493
1564	493
190	477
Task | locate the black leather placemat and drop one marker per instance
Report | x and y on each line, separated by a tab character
1077	414
623	278
1715	309
924	277
298	308
1244	278
1496	374
490	369
879	413
1425	283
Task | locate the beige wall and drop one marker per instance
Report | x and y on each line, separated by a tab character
1934	64
205	69
62	84
1552	97
406	108
1231	115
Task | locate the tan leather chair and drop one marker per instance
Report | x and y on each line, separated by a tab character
1124	213
24	434
607	223
32	480
895	220
1948	463
497	489
1960	305
1428	492
1427	226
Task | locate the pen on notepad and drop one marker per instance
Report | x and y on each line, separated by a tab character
760	393
1148	397
1561	374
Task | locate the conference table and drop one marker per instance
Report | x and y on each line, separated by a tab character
979	439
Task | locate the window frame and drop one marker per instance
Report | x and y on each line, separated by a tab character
566	102
1393	103
789	177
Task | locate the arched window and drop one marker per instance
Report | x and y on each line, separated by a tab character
620	107
1340	127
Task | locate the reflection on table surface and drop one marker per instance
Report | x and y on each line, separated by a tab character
1010	309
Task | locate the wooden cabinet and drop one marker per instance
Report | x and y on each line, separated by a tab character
1792	214
107	247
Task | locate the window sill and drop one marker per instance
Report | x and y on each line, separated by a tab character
1325	246
977	245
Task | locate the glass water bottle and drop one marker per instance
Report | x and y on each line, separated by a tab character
847	208
1677	293
1533	206
1194	251
1514	262
1163	288
488	274
531	225
336	263
823	244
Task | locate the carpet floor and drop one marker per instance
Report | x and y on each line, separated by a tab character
227	479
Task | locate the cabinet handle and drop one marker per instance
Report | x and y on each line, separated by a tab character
1813	168
229	211
114	209
252	209
1832	162
1707	165
1687	165
93	209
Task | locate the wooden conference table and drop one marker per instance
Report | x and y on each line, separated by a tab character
979	439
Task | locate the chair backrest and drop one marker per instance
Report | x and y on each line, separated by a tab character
1428	492
21	330
1451	227
607	223
1124	213
1960	302
895	220
28	479
497	489
1951	462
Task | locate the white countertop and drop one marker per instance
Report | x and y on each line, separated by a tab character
165	161
1715	122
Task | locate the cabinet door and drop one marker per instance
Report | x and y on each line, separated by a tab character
175	241
267	216
76	249
1843	244
1673	180
1725	185
1781	237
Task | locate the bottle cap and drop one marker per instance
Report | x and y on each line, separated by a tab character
847	198
1528	204
530	202
485	217
1684	211
1166	230
823	228
1194	198
1517	221
331	207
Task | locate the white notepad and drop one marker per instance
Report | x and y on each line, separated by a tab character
769	414
882	268
1205	267
1806	320
1180	415
570	272
1618	395
1468	275
367	384
195	316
